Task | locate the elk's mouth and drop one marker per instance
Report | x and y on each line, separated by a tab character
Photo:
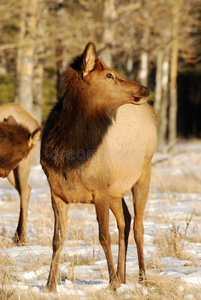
141	96
140	100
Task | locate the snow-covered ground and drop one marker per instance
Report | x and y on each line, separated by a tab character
172	239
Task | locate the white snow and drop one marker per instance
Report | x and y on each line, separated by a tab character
174	200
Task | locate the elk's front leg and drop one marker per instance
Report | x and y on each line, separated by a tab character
102	212
60	209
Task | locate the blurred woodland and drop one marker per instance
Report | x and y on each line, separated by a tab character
154	42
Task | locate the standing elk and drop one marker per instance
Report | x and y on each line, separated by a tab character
19	132
97	144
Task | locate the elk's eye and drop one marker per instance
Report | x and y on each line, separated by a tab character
110	75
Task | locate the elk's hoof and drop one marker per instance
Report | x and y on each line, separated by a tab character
143	279
20	240
50	289
115	284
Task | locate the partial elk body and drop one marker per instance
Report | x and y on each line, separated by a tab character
19	132
97	144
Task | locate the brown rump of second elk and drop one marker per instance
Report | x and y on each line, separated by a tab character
97	144
16	142
19	133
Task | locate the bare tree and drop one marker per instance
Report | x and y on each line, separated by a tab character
25	65
143	70
158	86
109	16
163	116
176	9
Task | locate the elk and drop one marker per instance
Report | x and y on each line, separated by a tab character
97	144
19	133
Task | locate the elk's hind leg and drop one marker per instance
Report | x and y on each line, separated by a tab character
60	209
102	212
140	193
19	179
123	217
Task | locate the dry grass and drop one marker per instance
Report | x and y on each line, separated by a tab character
172	243
175	183
77	260
6	293
157	288
6	277
76	231
161	288
154	262
176	172
195	239
5	242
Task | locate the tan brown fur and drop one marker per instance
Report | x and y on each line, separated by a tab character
19	132
99	114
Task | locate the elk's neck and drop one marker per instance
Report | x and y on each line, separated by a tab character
74	133
84	134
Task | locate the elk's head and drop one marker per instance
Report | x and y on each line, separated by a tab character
109	88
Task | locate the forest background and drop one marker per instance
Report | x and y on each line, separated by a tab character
154	42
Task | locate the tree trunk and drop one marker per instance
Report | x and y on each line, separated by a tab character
163	121
37	103
109	16
173	96
38	72
59	44
20	50
25	63
3	69
129	67
158	89
143	71
38	91
173	76
60	55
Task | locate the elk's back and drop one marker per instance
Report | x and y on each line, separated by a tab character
20	114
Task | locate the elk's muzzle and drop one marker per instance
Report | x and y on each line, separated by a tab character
143	95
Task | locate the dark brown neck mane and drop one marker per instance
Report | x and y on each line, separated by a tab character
75	128
13	134
13	142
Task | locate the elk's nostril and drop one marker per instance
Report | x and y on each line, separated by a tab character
147	90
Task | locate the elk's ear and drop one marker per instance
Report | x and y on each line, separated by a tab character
89	56
99	52
34	137
10	120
